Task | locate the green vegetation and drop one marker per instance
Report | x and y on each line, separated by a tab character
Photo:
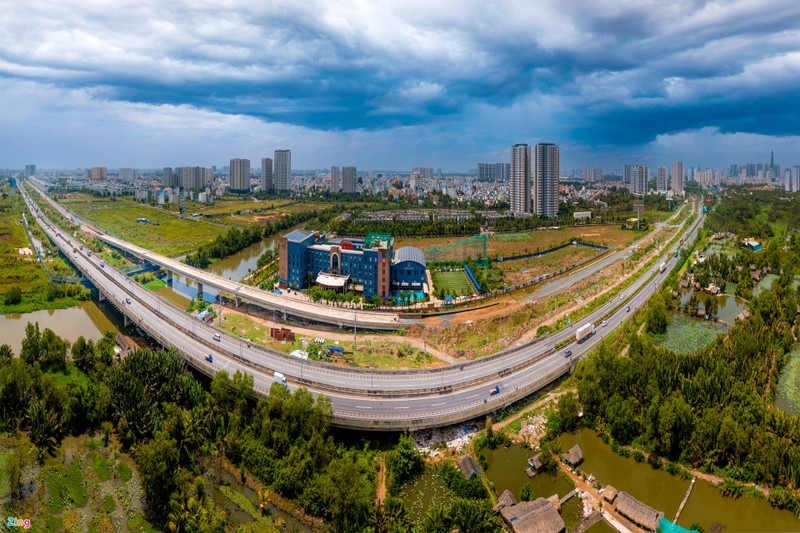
150	281
712	408
403	464
24	285
166	233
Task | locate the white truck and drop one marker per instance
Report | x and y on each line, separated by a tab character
663	267
584	332
280	379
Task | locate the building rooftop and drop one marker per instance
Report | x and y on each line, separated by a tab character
378	240
538	516
409	253
298	235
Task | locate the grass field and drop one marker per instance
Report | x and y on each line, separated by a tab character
505	244
171	236
454	283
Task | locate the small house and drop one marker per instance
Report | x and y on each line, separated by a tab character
468	467
637	512
536	463
538	516
506	499
609	494
574	456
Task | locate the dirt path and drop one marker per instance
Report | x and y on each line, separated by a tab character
381	479
329	335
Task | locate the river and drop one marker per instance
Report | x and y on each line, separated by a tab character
664	492
729	306
90	319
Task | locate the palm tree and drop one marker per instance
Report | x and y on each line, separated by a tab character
264	498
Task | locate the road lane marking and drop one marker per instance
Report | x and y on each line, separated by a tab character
473	396
404	407
363	407
438	404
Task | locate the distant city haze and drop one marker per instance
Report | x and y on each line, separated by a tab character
396	86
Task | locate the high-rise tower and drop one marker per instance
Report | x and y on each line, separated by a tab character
545	180
283	171
266	174
521	179
240	176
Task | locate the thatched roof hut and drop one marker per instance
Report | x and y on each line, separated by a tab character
506	499
538	516
744	315
637	512
468	466
609	493
536	462
574	456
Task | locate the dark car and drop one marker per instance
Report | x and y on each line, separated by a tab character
568	353
628	309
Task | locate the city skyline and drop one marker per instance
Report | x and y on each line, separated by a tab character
401	85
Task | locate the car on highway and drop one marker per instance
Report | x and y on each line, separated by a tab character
102	264
628	309
127	300
216	337
621	296
604	323
210	358
568	353
495	390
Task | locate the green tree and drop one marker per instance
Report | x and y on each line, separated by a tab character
403	463
13	296
347	491
657	315
526	493
158	465
568	409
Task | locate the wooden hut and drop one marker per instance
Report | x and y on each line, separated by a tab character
637	512
538	516
505	500
536	463
609	494
574	456
468	467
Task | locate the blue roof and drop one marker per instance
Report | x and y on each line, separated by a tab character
409	253
298	235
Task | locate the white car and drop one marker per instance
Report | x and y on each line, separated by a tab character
604	323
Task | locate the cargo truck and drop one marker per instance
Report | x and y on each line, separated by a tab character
663	267
280	379
584	332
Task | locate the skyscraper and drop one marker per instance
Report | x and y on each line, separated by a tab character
240	176
502	171
336	185
283	171
639	175
98	173
128	174
677	177
486	172
626	174
30	170
521	179
662	179
166	181
415	180
349	179
266	174
545	180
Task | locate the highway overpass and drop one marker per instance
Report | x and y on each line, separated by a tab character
370	399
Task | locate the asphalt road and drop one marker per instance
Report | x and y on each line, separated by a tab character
376	399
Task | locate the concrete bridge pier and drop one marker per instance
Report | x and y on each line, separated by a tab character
199	290
238	301
126	321
100	296
169	277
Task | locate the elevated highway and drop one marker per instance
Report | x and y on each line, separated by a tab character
364	398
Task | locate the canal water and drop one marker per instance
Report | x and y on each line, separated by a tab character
507	471
729	306
664	492
237	266
90	319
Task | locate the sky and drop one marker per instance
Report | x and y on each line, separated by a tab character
397	84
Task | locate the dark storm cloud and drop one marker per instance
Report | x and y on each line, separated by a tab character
627	71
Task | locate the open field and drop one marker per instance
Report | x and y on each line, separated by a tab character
170	235
506	244
455	283
263	218
522	270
